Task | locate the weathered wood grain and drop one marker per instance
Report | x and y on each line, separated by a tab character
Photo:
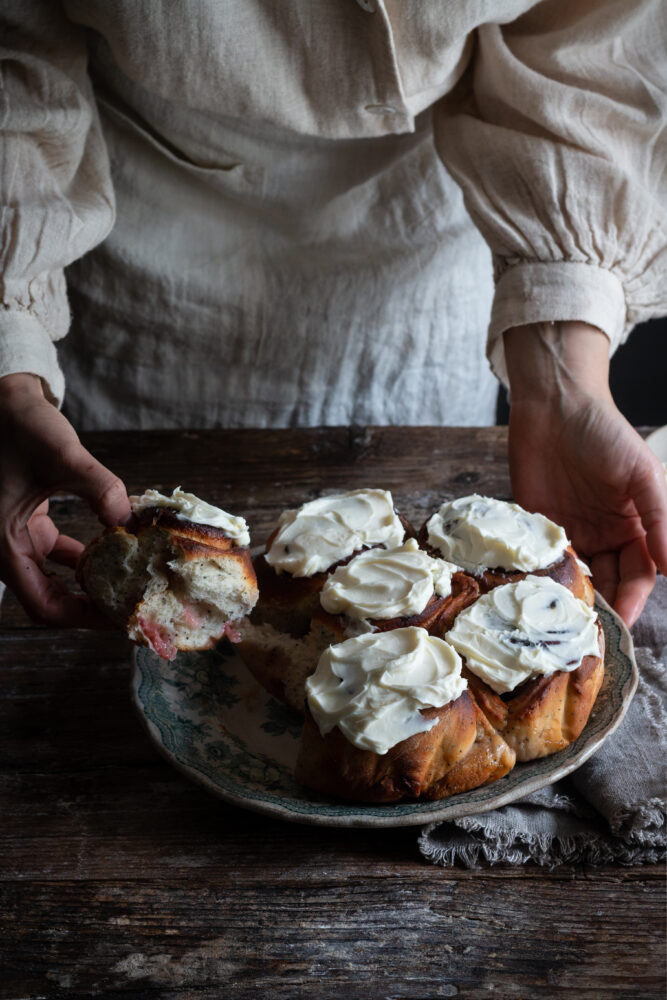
119	878
438	937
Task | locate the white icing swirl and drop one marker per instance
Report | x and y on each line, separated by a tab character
320	533
191	508
523	630
373	686
479	533
387	583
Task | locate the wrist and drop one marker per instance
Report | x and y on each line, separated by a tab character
20	385
551	363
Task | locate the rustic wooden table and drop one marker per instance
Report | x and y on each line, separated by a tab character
122	879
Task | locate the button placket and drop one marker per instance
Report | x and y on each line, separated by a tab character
383	55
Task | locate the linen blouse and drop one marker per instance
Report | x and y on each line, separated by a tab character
292	187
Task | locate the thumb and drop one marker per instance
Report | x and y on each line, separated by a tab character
104	491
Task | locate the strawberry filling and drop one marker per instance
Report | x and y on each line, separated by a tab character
159	639
232	634
190	618
162	643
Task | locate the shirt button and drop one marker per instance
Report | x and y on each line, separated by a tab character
380	109
370	6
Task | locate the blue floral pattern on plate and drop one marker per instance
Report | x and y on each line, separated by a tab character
212	720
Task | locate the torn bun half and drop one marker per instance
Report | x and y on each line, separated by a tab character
172	584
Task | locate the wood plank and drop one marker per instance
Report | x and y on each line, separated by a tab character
366	938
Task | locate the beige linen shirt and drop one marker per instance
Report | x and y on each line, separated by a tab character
281	198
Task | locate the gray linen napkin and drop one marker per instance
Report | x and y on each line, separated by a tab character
612	809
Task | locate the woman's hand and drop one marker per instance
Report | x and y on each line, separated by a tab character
41	454
575	458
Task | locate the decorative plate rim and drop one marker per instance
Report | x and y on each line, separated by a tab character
318	810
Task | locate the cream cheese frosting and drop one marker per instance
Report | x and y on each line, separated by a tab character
373	686
191	508
387	583
313	537
523	630
479	533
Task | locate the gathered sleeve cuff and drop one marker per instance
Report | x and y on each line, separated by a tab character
56	198
556	136
538	293
25	346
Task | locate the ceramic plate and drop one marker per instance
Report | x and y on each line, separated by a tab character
212	720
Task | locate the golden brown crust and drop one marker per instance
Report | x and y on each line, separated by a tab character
460	752
188	535
491	704
490	757
194	541
333	765
186	542
565	571
426	619
465	591
546	714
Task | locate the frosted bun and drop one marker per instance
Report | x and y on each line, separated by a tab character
170	583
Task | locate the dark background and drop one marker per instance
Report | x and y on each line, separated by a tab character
638	377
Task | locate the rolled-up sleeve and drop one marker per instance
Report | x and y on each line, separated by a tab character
557	138
56	198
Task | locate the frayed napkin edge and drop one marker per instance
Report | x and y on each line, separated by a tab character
642	823
546	850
